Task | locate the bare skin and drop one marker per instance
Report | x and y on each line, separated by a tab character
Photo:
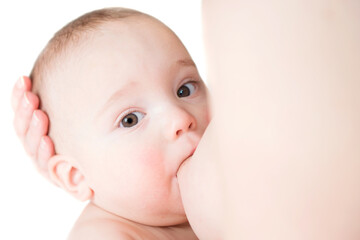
138	196
94	222
31	124
285	80
289	150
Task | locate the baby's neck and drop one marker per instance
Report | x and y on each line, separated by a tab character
99	222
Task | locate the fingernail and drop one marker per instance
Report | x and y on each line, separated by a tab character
26	101
20	83
35	120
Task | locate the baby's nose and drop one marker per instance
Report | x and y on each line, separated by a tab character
179	122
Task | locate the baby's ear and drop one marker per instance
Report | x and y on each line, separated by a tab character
68	177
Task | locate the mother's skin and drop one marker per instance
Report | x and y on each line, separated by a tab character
282	153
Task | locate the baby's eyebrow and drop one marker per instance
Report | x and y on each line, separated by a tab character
116	95
186	62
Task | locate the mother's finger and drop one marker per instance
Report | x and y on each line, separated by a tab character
28	103
22	85
45	151
38	127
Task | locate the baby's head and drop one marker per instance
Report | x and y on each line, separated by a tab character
126	106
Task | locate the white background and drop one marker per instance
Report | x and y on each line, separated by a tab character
30	207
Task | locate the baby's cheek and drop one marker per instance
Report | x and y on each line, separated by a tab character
148	156
154	178
150	162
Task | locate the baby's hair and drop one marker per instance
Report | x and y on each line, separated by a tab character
62	44
71	35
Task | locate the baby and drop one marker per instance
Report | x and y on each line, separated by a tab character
127	107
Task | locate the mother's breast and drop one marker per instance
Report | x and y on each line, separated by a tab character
201	189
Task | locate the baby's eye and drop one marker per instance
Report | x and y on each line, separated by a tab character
186	90
131	119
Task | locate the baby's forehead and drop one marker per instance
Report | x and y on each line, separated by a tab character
129	25
131	32
109	50
80	37
86	41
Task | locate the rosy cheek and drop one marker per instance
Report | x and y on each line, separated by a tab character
149	157
152	170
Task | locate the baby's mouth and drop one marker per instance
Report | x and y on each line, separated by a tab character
185	160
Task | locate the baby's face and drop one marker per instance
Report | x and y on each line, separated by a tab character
140	111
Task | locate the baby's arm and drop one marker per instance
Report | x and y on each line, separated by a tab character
96	224
97	230
31	124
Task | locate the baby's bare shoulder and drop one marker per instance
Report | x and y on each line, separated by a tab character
100	229
94	224
97	224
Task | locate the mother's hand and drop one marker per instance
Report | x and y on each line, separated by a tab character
31	124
